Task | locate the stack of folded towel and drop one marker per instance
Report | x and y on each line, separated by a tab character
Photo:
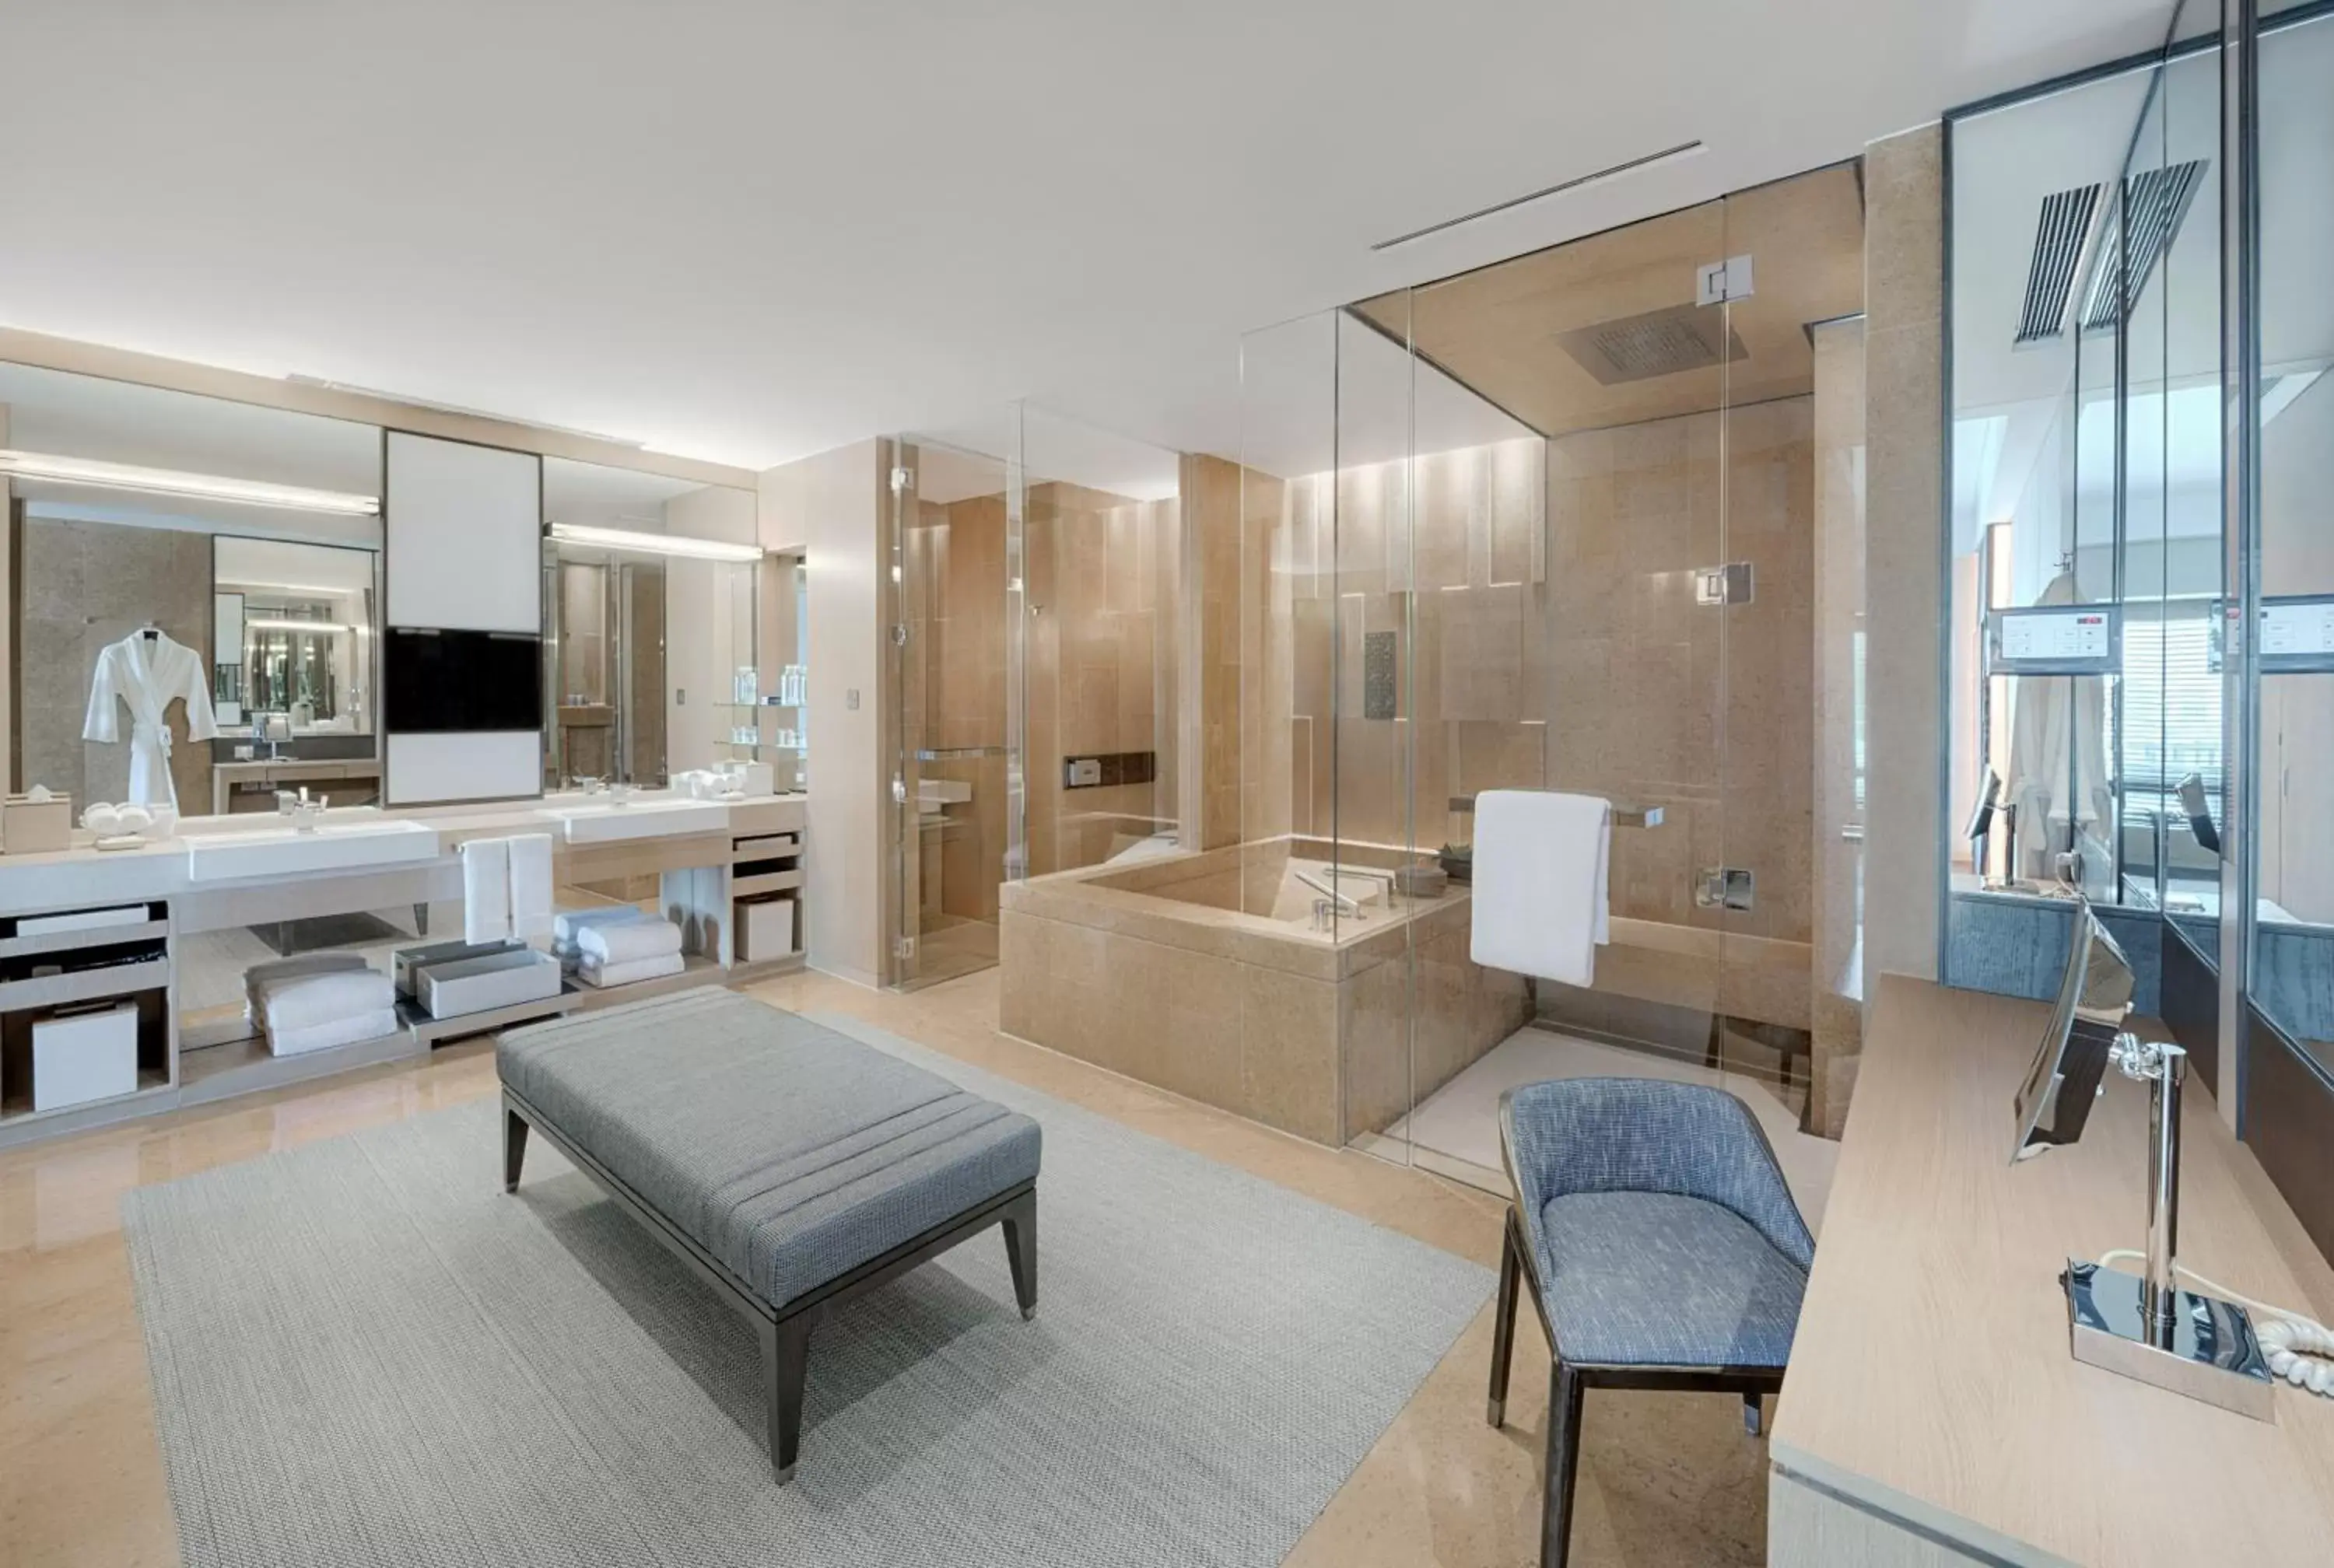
570	924
617	952
317	1001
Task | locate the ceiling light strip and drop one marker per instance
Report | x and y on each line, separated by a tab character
170	482
1683	150
654	544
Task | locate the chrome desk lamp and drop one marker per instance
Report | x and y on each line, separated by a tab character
2142	1326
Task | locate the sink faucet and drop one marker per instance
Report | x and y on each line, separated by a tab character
305	812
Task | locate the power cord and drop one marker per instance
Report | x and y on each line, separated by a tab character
2299	1349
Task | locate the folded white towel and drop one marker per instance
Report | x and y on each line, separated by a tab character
623	943
530	886
594	973
568	923
340	1032
260	976
304	1001
486	891
1539	904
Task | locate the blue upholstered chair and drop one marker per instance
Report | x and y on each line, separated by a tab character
1662	1247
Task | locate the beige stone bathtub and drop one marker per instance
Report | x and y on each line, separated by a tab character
1203	973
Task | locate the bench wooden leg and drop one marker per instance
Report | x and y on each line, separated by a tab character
1503	1326
514	1147
1020	1227
785	1364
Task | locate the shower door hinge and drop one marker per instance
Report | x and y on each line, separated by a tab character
903	946
901	479
898	634
1727	585
1723	887
1716	282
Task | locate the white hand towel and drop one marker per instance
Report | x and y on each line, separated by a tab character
622	944
530	886
325	1036
260	977
569	924
1539	902
486	891
594	973
304	1001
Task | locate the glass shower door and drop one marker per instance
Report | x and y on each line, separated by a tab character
946	546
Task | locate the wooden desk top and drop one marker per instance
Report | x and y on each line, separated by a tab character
1931	1376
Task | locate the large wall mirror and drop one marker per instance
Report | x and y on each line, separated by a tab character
649	600
140	517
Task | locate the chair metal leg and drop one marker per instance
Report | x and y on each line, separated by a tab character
1564	1392
1020	1227
1752	1422
785	1364
1503	1326
514	1147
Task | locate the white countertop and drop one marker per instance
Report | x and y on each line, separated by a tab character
84	875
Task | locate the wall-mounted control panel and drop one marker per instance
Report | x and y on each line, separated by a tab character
2055	640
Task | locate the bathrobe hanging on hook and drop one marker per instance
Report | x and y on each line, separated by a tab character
145	671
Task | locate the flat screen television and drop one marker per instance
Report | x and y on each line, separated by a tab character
461	682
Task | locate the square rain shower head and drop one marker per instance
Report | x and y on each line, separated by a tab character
1657	343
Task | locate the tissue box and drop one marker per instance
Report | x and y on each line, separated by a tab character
31	827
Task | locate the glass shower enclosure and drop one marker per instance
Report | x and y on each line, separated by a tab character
1588	520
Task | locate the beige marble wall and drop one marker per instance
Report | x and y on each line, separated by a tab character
1904	573
1654	699
1105	579
1835	980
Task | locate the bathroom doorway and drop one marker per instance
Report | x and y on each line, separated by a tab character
1588	520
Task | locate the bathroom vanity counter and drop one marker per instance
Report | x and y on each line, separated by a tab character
1932	1414
84	876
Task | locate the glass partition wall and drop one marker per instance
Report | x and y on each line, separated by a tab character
2140	342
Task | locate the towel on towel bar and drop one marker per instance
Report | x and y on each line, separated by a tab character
530	886
623	943
1539	905
592	972
305	1001
486	891
341	1031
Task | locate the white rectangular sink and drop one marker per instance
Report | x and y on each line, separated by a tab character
285	851
604	824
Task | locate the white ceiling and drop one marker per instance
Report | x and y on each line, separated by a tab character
747	231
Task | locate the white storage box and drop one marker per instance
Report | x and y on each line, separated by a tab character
83	1057
766	930
407	963
481	985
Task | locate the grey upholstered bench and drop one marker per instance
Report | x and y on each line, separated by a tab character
789	1166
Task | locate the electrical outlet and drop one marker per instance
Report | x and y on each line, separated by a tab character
851	700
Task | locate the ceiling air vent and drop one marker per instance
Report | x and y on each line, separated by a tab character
2155	201
1658	343
2059	236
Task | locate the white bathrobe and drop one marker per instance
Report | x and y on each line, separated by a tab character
146	671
